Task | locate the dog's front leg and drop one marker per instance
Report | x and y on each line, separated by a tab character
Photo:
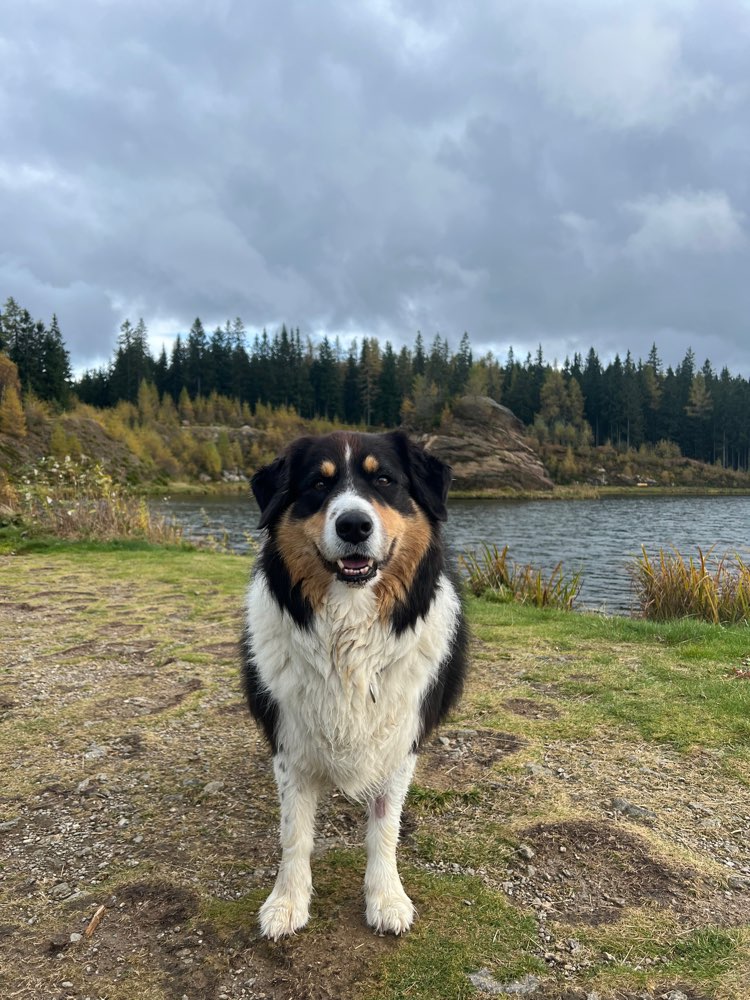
288	907
388	906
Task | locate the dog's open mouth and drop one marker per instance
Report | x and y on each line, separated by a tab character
356	569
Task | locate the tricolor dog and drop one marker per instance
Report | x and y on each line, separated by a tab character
355	646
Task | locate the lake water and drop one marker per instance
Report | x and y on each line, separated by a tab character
597	537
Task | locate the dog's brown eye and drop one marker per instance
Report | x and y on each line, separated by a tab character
320	484
384	480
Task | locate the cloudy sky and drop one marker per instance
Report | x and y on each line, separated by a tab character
572	173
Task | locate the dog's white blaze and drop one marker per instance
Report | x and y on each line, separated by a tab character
332	547
349	690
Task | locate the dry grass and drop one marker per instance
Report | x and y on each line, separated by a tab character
73	500
710	589
493	572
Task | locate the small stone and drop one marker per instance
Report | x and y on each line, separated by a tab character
83	786
537	770
9	824
61	891
484	980
75	938
213	787
444	741
738	883
634	812
526	852
675	995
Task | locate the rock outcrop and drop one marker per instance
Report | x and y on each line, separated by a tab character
485	445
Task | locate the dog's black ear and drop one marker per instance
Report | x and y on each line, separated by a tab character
429	478
271	487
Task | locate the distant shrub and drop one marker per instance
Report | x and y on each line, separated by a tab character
714	590
71	500
493	573
209	459
667	449
62	443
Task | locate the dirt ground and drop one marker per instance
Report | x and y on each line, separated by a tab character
133	780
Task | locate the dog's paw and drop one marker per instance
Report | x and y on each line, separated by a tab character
282	914
391	912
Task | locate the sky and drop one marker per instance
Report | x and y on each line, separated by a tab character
572	173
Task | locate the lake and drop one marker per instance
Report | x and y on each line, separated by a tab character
597	537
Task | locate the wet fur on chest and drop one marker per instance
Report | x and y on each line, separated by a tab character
351	694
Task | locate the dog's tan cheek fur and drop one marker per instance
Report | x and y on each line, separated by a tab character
298	542
413	536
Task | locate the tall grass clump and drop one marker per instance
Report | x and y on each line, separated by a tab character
492	573
74	500
711	589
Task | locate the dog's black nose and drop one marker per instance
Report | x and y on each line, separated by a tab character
353	526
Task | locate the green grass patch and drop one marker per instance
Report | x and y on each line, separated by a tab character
462	928
649	945
434	801
672	682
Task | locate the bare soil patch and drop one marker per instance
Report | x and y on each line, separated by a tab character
591	871
529	709
459	759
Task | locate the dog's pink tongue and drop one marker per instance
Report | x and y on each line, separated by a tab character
355	563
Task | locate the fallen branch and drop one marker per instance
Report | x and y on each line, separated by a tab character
94	922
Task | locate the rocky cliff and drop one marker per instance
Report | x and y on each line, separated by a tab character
485	445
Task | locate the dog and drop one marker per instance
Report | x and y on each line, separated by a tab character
354	647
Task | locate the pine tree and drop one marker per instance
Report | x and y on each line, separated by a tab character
593	394
418	357
351	393
177	367
326	381
56	375
388	400
369	370
194	377
461	366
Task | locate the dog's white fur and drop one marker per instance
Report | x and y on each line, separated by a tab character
348	722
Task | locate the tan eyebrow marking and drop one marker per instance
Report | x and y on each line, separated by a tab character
328	468
371	464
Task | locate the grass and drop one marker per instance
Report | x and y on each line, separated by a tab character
492	574
80	501
674	682
133	640
711	589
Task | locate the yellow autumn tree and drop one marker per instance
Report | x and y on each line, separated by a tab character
12	420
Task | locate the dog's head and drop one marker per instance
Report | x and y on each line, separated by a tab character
352	506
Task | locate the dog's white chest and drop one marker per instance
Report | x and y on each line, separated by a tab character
349	690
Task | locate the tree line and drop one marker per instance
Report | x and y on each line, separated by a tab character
625	402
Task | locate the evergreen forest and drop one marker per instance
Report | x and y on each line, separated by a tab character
624	402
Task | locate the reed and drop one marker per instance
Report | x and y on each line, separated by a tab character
74	500
711	589
492	572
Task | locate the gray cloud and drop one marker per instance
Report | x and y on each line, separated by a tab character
574	174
